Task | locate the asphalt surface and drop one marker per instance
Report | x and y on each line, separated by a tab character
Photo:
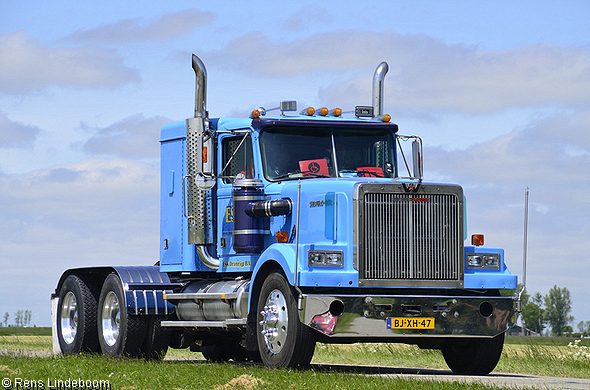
499	379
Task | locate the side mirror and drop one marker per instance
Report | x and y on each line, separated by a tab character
417	171
417	158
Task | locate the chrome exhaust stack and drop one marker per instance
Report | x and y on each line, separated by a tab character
200	175
378	78
201	88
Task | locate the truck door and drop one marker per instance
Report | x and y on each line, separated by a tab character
236	162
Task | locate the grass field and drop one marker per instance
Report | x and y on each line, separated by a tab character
540	356
13	331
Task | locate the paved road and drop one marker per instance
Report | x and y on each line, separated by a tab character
513	381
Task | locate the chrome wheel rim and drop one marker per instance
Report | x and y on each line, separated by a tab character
275	321
69	318
111	319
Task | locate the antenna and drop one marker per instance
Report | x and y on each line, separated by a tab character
526	223
518	303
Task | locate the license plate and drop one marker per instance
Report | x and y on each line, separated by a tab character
410	323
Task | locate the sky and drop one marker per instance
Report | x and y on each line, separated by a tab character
499	91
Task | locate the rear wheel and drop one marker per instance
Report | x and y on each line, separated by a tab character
157	338
76	316
283	341
119	333
473	356
220	350
223	350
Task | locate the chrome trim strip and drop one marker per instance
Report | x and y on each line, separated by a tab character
237	322
249	231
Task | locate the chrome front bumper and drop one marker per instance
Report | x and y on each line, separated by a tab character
365	317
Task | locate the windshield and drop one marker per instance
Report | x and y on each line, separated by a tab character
290	152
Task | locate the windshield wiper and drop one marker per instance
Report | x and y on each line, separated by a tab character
285	175
303	175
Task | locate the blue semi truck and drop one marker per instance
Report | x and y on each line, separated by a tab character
281	230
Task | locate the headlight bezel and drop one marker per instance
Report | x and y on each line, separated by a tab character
320	258
485	261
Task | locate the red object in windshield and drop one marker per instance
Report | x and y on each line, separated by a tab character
370	172
318	166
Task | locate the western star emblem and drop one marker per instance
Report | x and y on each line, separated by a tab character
411	187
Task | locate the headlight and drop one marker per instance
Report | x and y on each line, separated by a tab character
483	260
473	261
325	258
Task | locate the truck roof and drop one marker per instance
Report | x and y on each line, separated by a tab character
178	129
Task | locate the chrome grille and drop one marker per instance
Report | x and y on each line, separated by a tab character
410	237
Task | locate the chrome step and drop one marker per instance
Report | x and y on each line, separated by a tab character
230	322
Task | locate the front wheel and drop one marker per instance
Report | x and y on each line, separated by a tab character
473	356
119	333
283	341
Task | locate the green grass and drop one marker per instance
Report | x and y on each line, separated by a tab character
138	374
18	331
534	358
527	355
26	343
548	341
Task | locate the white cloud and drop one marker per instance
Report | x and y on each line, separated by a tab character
303	20
168	26
93	212
80	196
536	154
495	174
133	137
425	73
342	50
16	134
28	66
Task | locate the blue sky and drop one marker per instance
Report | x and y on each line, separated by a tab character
499	92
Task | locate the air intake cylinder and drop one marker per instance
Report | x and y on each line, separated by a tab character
248	231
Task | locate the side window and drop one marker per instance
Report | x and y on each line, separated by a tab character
238	160
383	157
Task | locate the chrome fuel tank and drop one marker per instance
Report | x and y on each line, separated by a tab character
207	300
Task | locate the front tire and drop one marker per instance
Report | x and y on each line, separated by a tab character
76	316
283	341
473	356
119	333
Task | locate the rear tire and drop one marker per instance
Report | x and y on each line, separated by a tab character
119	333
157	339
223	350
220	350
473	356
76	316
283	341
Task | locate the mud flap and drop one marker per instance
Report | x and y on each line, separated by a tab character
54	339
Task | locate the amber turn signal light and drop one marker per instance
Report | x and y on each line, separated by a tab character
282	236
477	239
